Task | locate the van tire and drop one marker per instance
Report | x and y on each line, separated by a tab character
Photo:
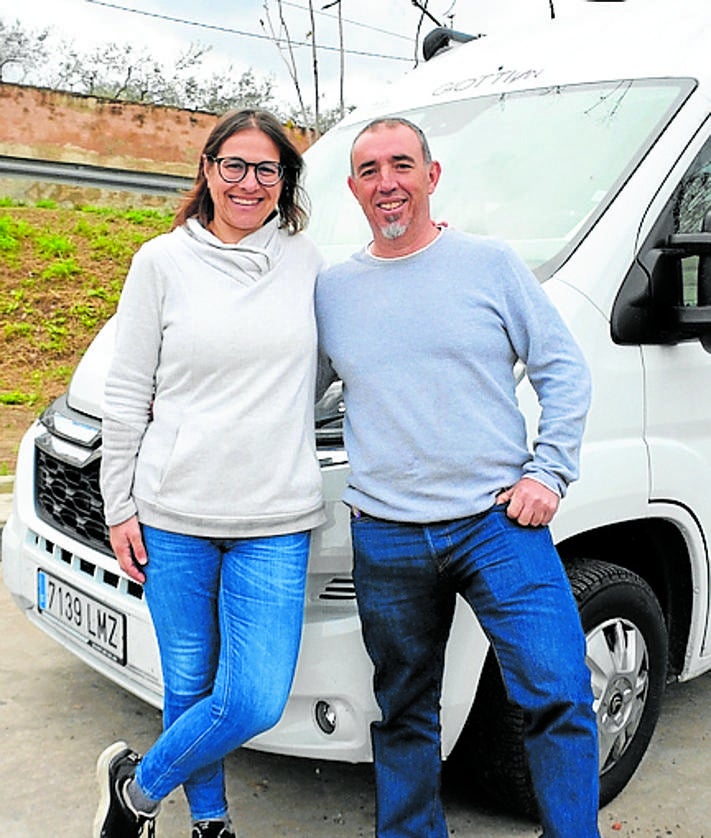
616	606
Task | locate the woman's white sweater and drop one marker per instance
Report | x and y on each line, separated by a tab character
208	413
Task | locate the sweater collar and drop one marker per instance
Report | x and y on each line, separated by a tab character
246	260
367	250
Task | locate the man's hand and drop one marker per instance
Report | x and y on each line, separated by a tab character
127	544
530	503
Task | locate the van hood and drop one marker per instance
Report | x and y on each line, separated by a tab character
86	390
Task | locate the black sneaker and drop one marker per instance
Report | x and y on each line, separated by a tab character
211	829
115	818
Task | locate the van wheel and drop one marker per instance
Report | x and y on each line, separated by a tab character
626	654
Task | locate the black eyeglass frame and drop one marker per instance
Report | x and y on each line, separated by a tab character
272	163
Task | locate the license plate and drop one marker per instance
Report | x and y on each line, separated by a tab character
99	626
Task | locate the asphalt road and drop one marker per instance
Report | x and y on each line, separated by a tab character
56	715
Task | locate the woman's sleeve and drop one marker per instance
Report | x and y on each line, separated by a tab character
130	384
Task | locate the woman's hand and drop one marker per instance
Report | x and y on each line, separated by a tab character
127	544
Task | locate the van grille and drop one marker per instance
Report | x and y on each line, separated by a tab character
69	499
338	588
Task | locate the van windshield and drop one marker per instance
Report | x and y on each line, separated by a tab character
536	168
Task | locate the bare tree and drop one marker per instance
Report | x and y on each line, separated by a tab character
21	49
282	41
418	32
328	117
220	94
314	63
341	57
120	71
422	5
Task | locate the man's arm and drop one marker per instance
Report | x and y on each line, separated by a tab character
560	377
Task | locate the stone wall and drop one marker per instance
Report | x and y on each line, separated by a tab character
49	125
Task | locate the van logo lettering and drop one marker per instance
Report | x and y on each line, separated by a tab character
499	77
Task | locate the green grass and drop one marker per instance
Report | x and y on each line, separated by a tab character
12	232
61	274
61	270
16	330
16	397
52	245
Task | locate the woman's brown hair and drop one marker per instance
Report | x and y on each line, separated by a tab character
293	204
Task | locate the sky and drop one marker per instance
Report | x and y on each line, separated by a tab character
379	35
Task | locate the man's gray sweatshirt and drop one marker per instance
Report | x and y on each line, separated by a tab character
427	346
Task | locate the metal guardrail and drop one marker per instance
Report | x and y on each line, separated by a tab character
83	174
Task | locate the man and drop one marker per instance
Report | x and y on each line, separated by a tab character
424	327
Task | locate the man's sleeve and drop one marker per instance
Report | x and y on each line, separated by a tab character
558	373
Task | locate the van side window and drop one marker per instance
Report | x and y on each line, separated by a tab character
692	199
691	213
666	295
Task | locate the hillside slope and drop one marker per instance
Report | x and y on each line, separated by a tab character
61	273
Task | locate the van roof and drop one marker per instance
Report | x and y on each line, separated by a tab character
658	40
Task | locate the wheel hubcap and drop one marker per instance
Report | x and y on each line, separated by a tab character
618	660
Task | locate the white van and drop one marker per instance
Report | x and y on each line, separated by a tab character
589	150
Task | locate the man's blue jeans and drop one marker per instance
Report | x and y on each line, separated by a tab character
406	577
228	616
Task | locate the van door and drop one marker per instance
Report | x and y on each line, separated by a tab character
676	353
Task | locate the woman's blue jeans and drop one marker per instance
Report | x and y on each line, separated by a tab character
228	616
406	578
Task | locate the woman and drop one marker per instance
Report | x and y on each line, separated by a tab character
209	473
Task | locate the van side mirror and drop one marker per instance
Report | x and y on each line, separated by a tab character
666	295
698	246
695	320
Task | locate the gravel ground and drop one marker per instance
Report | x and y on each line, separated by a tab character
56	715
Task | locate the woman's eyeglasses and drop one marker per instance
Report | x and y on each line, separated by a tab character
234	170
